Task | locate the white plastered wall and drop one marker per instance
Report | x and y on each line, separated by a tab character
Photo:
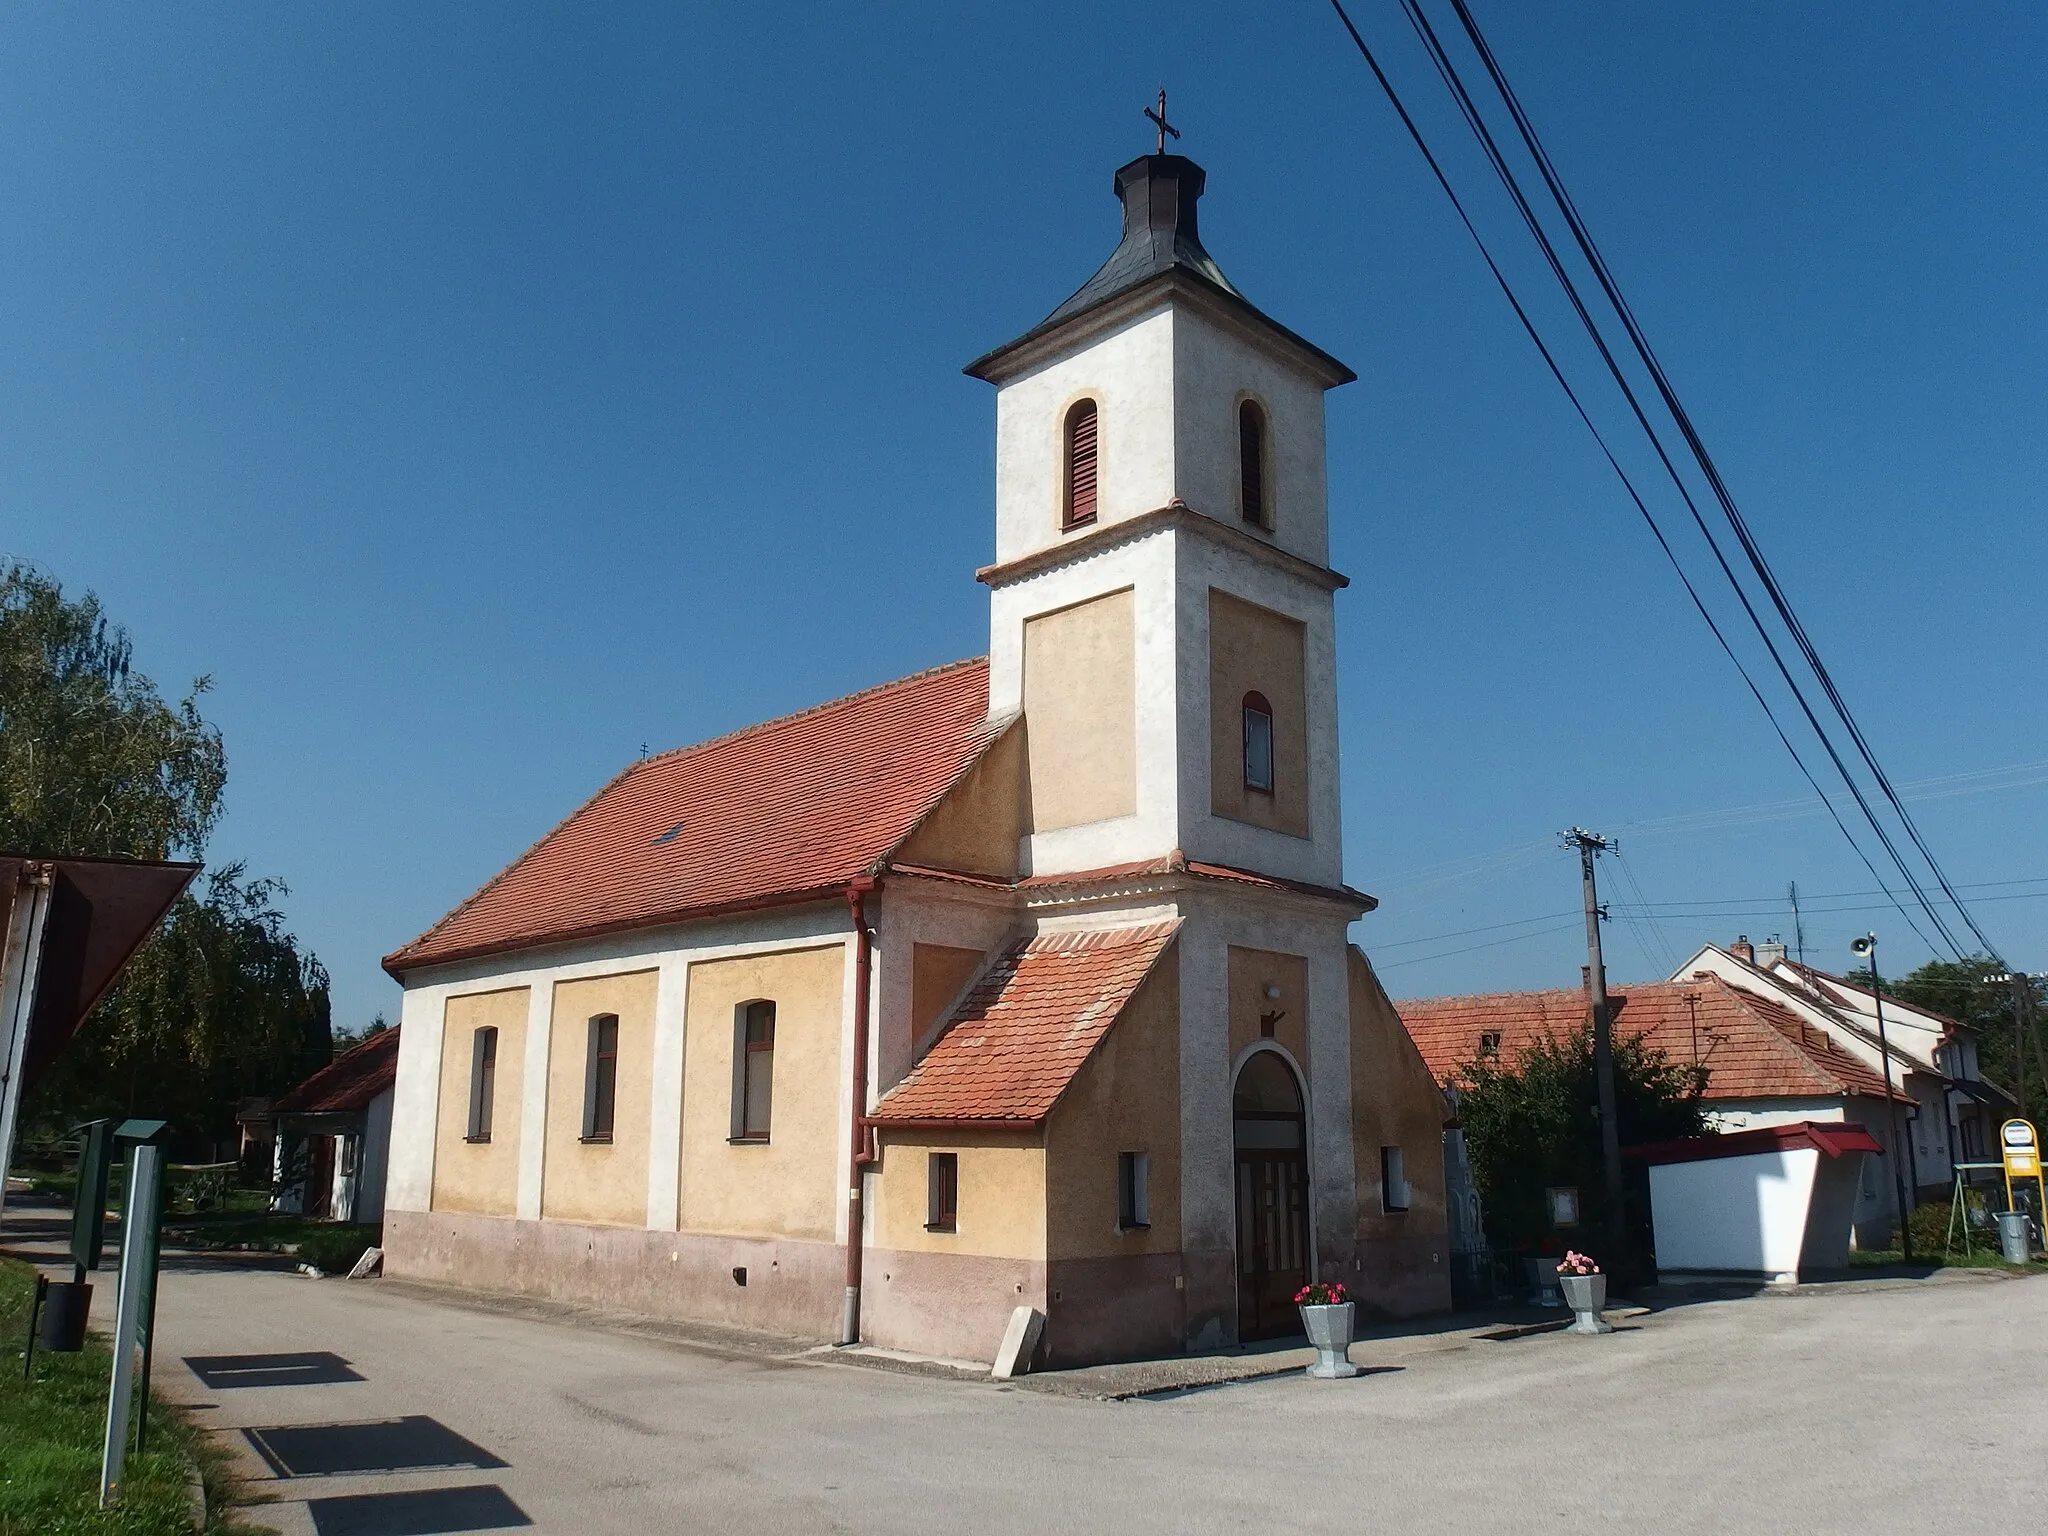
1214	368
669	951
1127	370
1167	384
1741	1214
1318	859
1146	567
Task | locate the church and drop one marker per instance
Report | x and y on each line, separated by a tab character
1020	982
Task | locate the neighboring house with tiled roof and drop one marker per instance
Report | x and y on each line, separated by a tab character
1023	981
332	1134
1765	1065
1951	1112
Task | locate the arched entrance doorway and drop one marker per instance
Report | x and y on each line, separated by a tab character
1272	1197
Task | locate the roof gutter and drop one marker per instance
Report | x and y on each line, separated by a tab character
862	1150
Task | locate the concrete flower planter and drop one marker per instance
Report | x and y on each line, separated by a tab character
1329	1330
1586	1295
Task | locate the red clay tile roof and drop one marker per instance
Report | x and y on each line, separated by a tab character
1027	1026
793	808
1752	1047
348	1082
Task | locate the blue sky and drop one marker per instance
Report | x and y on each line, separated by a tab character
480	392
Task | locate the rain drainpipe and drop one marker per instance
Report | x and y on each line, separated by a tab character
863	1130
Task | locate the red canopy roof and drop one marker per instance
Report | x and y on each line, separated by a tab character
1027	1027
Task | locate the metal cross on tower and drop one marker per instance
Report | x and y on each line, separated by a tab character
1159	118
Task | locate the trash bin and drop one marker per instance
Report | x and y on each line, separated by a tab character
2015	1236
65	1307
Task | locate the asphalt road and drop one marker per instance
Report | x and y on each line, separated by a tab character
1868	1410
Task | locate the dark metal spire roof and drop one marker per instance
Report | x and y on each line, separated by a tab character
1160	238
1159	194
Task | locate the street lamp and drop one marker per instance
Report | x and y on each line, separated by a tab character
1865	948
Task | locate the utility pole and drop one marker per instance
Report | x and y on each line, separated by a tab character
1867	948
1798	928
1590	845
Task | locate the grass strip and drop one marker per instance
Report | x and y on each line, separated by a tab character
51	1428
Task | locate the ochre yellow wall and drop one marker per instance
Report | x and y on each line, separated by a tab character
1125	1099
604	1182
787	1186
1250	971
1395	1103
1254	650
938	972
481	1177
1081	713
976	827
1001	1203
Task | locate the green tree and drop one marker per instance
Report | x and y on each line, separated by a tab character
1530	1125
221	1004
92	760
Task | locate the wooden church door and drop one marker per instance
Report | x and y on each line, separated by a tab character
1272	1198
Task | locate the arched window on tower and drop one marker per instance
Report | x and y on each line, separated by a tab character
1258	743
1077	508
1252	499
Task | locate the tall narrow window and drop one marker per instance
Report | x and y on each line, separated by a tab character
942	1192
1133	1202
483	1081
1258	743
601	1077
1251	464
1393	1180
753	1071
1081	465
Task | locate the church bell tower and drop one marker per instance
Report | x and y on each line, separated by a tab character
1161	597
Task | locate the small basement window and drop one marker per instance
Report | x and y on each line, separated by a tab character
1133	1198
942	1192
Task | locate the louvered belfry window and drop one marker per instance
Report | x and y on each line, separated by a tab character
1251	463
1082	464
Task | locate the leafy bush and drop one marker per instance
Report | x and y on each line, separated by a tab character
334	1250
1530	1125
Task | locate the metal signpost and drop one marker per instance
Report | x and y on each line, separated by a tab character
2021	1147
134	1312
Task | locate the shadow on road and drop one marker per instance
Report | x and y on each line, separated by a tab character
411	1444
314	1369
430	1512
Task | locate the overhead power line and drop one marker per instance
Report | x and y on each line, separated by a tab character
1758	564
1779	604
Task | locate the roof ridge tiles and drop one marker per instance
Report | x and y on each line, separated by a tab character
810	709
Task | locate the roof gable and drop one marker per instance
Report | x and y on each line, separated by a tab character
791	809
349	1082
1025	1029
